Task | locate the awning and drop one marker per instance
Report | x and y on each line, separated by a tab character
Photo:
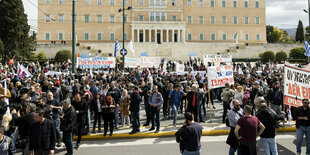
143	54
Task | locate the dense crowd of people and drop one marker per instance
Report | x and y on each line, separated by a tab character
45	105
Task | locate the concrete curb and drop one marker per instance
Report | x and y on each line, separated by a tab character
164	134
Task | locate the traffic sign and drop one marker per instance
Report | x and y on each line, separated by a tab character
123	52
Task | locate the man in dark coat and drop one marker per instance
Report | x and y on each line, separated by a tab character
134	109
194	98
80	106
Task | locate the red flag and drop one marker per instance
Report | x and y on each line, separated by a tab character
79	55
11	61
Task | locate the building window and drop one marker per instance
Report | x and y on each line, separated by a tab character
125	36
111	2
212	36
157	16
235	4
151	16
47	1
235	36
212	3
86	2
189	2
200	3
257	20
163	16
61	17
163	2
99	2
224	37
246	37
99	18
141	18
257	4
224	20
60	36
257	37
86	36
125	19
189	36
200	19
174	18
200	36
173	3
61	1
246	4
157	2
86	18
47	18
223	3
246	20
152	2
47	36
99	36
140	2
212	20
235	20
189	19
111	36
111	18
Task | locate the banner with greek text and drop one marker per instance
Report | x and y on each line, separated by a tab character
217	58
132	62
149	62
296	85
218	76
96	62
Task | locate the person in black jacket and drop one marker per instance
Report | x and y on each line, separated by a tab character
95	108
55	105
43	135
116	94
24	124
268	118
135	109
67	125
80	106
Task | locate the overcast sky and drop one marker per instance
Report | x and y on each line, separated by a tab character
280	13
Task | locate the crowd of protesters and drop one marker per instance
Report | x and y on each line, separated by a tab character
44	106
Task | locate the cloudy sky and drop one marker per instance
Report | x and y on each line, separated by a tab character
280	13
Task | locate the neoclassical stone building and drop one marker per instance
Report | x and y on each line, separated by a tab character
153	21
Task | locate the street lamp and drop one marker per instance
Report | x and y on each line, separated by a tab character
123	10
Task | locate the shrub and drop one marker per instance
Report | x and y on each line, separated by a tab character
63	55
268	56
298	52
281	56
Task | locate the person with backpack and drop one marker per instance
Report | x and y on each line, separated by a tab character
7	146
175	99
233	116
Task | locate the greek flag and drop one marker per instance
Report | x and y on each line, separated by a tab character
307	49
117	47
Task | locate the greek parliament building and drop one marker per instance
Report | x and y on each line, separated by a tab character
156	27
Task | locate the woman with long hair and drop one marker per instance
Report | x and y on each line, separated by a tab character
108	106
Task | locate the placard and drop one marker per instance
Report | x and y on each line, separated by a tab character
96	62
217	58
218	76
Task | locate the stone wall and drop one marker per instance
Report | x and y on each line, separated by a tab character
176	51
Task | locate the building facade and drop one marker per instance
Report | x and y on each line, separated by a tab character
153	21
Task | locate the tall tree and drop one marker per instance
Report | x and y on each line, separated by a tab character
300	32
269	30
14	31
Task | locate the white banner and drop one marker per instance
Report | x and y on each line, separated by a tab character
96	62
218	76
132	62
217	58
179	68
149	62
296	85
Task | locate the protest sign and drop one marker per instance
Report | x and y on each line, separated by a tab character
296	85
132	62
150	62
179	68
218	76
217	58
96	62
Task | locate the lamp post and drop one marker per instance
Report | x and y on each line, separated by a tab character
73	36
123	10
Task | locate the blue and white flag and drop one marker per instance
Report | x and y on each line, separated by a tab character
307	49
117	47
